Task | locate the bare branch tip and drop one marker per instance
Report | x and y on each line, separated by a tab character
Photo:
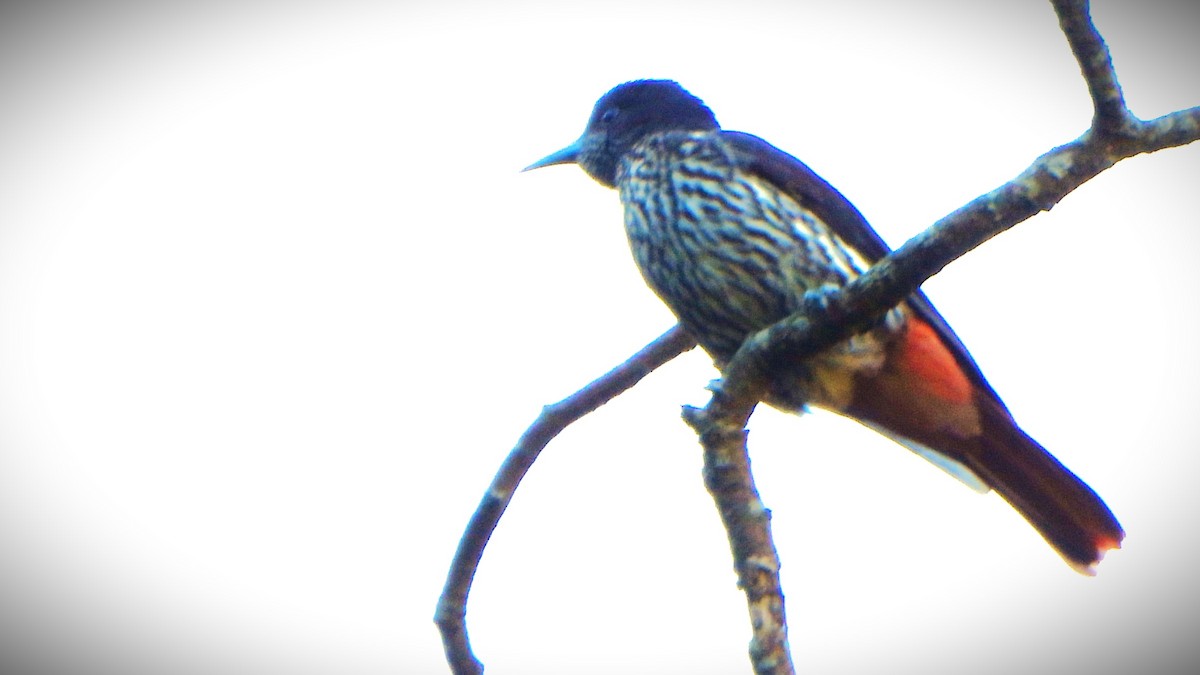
1112	116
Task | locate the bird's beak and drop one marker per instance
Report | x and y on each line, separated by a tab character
567	155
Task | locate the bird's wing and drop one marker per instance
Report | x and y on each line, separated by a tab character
758	157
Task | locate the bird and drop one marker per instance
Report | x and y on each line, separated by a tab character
734	234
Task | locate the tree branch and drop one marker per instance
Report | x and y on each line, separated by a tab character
1115	134
452	605
748	524
1111	114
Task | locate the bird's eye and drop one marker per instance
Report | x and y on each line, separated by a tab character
609	115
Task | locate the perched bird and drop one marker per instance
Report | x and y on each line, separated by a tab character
732	232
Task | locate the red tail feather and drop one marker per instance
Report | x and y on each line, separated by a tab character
922	397
1068	513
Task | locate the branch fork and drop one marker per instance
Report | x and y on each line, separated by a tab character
1114	134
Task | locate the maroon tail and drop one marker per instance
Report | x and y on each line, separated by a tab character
1068	513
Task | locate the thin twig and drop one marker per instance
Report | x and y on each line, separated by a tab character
1111	115
452	605
1115	135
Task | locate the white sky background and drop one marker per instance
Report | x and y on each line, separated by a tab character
275	302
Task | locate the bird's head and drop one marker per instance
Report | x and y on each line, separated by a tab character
623	117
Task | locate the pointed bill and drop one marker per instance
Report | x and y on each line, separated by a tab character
567	155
